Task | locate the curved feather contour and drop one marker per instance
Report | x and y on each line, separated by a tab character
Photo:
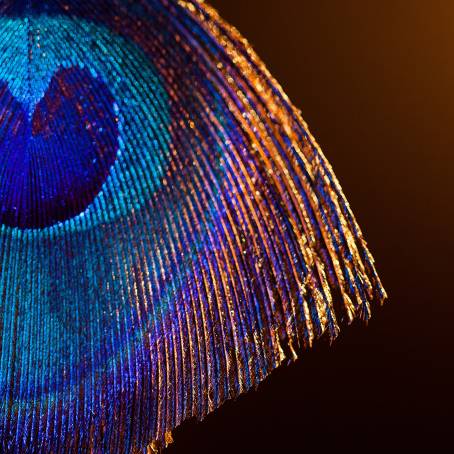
170	228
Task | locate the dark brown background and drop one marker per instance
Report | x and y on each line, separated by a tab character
375	82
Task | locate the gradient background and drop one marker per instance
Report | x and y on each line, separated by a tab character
375	81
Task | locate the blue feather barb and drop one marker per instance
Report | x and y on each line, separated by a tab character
169	227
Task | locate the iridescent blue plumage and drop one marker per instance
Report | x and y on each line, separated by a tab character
168	224
43	181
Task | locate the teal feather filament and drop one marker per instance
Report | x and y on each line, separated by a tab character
168	224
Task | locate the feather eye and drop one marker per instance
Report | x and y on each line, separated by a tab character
169	227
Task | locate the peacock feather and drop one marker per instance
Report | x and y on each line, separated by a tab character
170	231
